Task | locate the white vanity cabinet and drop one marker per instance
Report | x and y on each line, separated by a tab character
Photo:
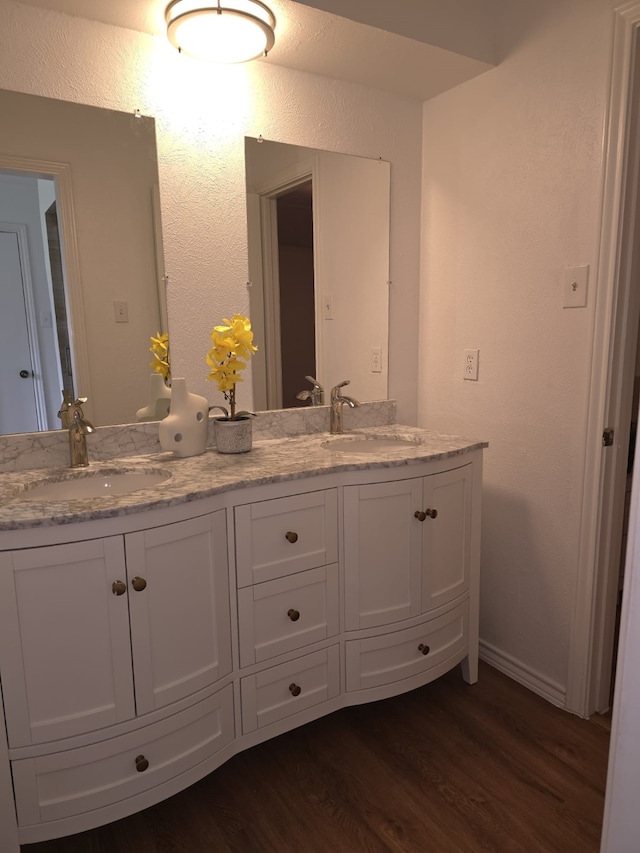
98	633
89	637
407	546
408	560
139	652
288	600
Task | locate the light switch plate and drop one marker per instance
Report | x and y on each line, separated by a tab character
574	287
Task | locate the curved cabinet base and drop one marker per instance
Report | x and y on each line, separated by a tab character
188	747
231	622
67	792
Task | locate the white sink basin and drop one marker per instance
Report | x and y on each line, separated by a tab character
369	443
83	486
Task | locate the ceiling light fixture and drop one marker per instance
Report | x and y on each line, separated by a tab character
222	31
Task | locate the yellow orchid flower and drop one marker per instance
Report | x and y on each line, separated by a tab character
160	350
232	348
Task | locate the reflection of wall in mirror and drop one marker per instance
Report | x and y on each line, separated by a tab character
351	259
113	172
352	264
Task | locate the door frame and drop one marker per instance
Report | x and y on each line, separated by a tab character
30	317
612	333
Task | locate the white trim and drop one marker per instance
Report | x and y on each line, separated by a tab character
31	320
582	658
61	173
523	674
284	179
271	300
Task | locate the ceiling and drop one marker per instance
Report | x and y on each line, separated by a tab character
316	40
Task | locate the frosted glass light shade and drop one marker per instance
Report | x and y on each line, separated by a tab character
223	31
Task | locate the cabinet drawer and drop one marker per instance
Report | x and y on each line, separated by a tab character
294	686
286	535
69	783
392	657
286	614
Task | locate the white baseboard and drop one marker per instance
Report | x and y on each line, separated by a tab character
525	675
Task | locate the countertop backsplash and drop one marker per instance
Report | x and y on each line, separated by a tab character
51	449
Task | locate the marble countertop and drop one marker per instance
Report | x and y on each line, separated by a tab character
270	461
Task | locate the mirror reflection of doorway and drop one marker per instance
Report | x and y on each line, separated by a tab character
282	266
296	287
59	298
34	319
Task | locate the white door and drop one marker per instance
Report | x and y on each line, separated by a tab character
18	404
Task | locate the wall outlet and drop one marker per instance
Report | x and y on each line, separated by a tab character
470	370
376	359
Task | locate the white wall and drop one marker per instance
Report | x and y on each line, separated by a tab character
511	196
202	114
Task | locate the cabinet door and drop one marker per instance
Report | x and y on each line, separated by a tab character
179	602
65	655
382	548
447	550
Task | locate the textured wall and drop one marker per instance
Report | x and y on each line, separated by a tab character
202	114
511	196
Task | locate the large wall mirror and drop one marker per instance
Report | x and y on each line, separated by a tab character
81	266
318	237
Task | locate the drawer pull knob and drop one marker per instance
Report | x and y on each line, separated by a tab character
432	513
118	587
291	537
423	648
141	763
420	515
294	615
295	689
138	584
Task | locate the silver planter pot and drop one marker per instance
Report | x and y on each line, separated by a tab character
232	436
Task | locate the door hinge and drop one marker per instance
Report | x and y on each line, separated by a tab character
607	437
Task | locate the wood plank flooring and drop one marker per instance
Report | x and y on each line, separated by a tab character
448	768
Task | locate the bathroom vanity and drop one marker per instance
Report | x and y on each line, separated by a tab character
147	638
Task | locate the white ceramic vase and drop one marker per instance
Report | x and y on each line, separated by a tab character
184	431
232	436
159	400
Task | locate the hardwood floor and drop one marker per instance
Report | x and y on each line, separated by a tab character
447	768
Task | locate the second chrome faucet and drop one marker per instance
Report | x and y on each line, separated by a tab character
338	400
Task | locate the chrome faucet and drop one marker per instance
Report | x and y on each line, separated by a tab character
316	395
337	402
79	427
